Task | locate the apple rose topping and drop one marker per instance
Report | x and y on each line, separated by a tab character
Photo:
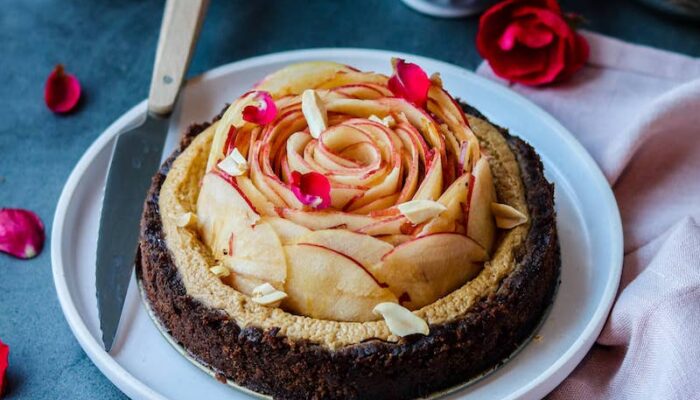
345	189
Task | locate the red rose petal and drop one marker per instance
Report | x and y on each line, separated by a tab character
312	189
409	82
21	233
62	91
4	362
264	113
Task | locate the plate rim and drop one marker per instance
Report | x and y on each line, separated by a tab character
545	381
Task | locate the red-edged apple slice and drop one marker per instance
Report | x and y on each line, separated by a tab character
364	249
295	78
220	208
481	225
429	267
389	226
431	187
322	283
452	199
325	219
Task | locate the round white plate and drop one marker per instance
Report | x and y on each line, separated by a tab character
144	366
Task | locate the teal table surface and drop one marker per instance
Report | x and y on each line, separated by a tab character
110	45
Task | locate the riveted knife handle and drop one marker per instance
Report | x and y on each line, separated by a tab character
182	21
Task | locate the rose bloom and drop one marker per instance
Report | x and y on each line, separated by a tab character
530	42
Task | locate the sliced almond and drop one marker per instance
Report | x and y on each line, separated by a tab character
387	121
220	271
400	320
234	164
418	211
435	79
186	220
314	111
506	216
267	295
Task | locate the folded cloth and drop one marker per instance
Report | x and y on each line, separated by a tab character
637	111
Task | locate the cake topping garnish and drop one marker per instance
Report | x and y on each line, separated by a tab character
267	295
220	271
21	233
418	211
234	164
186	220
264	112
387	121
409	82
312	189
400	320
315	112
507	217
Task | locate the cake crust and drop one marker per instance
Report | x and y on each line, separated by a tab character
270	363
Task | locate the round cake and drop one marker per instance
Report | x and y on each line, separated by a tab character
335	233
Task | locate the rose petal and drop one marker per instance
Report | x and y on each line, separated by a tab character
410	82
4	362
62	91
21	233
264	113
312	189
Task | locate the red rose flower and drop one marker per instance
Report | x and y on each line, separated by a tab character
530	42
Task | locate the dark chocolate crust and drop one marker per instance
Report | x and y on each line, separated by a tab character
453	353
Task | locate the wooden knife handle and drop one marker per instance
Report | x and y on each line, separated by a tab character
182	21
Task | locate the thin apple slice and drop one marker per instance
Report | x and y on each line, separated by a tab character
481	225
395	240
364	249
322	283
287	231
221	207
427	268
388	226
431	187
325	219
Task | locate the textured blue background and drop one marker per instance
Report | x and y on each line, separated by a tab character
110	46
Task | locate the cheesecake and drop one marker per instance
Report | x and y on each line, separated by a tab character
336	233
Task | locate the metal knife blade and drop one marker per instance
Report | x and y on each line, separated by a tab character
135	158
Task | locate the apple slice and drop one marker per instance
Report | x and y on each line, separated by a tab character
220	209
324	219
481	225
287	231
364	249
322	283
427	268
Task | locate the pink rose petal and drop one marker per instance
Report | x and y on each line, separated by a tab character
4	362
312	189
409	82
62	91
21	233
264	113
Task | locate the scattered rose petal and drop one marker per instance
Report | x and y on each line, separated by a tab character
4	361
21	233
62	91
409	82
312	189
264	113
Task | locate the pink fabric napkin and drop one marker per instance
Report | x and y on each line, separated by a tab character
637	111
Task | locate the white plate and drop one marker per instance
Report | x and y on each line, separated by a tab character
144	366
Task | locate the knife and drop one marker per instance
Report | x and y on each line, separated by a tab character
135	158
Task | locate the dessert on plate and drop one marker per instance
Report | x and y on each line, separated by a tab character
335	233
